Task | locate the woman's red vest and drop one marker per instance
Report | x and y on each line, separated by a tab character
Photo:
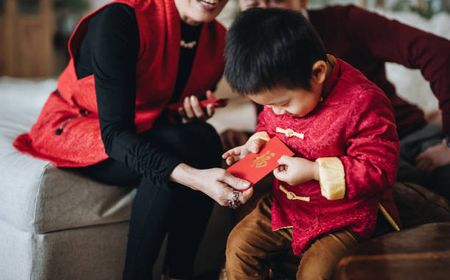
73	105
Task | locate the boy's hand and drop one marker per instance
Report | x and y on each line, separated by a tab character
295	170
238	153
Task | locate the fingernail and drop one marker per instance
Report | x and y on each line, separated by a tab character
246	184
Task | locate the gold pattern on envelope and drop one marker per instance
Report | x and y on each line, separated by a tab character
293	196
261	161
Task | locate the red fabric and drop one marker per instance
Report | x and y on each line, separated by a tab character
354	123
73	105
367	41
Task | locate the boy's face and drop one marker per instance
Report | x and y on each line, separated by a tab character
296	5
298	102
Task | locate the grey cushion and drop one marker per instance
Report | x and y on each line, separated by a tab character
34	195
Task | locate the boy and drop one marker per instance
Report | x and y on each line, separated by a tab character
340	127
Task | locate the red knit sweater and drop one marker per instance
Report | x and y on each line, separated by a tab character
367	41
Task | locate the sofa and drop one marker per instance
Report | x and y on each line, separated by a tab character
57	224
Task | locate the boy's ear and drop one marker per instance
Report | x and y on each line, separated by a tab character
319	72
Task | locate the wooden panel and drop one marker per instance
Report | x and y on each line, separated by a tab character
2	49
27	41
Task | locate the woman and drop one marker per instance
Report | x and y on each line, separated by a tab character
108	119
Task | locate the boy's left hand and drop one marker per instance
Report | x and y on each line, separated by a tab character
295	170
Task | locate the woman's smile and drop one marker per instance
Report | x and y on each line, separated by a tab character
209	5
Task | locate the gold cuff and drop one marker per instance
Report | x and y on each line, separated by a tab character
259	135
332	177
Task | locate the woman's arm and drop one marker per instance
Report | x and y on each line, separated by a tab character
114	41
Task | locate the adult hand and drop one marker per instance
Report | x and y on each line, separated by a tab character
192	109
236	154
433	157
216	183
233	138
295	170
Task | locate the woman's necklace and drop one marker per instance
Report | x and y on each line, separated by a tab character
188	45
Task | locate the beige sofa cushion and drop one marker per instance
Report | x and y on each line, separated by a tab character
34	195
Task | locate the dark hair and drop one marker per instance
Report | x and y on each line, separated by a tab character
269	48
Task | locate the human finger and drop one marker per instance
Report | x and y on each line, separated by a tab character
255	146
195	104
235	182
210	110
188	108
285	160
246	195
210	95
280	173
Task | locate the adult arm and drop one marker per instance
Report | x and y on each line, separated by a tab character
114	52
392	41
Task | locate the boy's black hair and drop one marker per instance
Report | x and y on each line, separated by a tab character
269	48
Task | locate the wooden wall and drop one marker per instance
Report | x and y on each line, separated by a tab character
26	39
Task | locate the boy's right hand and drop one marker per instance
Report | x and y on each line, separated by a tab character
238	153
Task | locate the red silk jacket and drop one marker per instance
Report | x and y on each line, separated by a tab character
73	105
352	134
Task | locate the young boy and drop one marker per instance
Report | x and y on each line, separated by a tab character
340	127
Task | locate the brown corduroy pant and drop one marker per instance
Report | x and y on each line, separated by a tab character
252	246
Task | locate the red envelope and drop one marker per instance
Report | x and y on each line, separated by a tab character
216	102
255	166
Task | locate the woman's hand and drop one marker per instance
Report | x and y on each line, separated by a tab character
237	153
192	109
295	170
216	183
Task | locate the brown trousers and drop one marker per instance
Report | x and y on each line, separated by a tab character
252	246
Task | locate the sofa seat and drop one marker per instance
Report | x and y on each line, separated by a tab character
54	224
37	197
422	252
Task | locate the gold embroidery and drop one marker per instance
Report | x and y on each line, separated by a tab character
293	196
261	161
286	227
388	217
289	133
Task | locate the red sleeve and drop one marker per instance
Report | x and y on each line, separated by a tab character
372	153
392	41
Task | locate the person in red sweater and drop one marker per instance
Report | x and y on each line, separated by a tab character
341	129
367	41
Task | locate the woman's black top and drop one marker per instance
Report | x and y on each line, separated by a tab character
109	51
